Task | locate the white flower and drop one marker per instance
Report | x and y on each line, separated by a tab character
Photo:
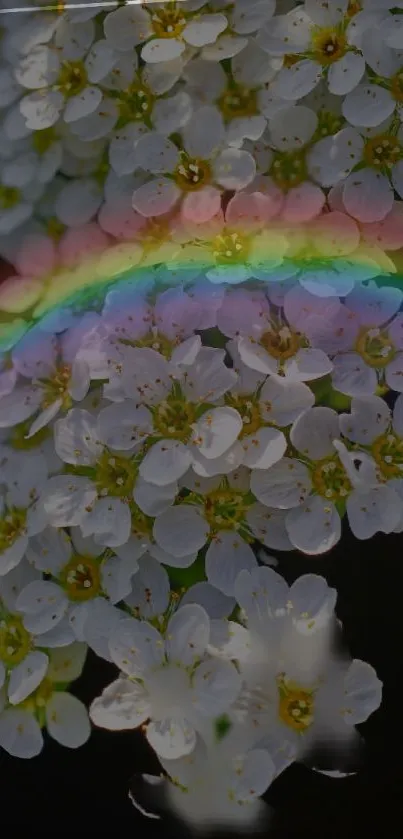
63	715
297	692
219	785
238	245
167	680
183	421
379	431
376	354
24	477
64	76
317	487
267	341
53	379
80	572
223	514
100	504
198	171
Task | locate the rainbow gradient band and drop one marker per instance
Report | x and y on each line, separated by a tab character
83	285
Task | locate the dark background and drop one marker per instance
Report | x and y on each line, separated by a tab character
87	790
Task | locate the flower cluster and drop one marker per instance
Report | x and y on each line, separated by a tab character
235	138
199	355
140	467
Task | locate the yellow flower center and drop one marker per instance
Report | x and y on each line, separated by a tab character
57	388
168	22
375	347
328	45
330	479
328	125
231	247
15	641
136	103
115	475
281	342
383	151
174	417
289	169
238	101
81	578
192	174
224	509
387	452
9	197
249	410
296	705
72	78
12	526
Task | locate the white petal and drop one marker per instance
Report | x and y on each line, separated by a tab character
216	685
344	75
216	431
67	720
204	134
264	448
367	195
368	419
43	603
181	530
313	603
121	706
283	486
162	49
171	738
314	431
234	169
295	82
20	734
109	521
227	555
76	438
165	462
394	373
150	588
123	426
363	692
255	776
352	376
204	31
135	646
315	527
187	634
66	498
282	401
378	510
152	499
368	106
200	207
214	602
83	104
27	676
19	405
263	595
156	153
156	197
